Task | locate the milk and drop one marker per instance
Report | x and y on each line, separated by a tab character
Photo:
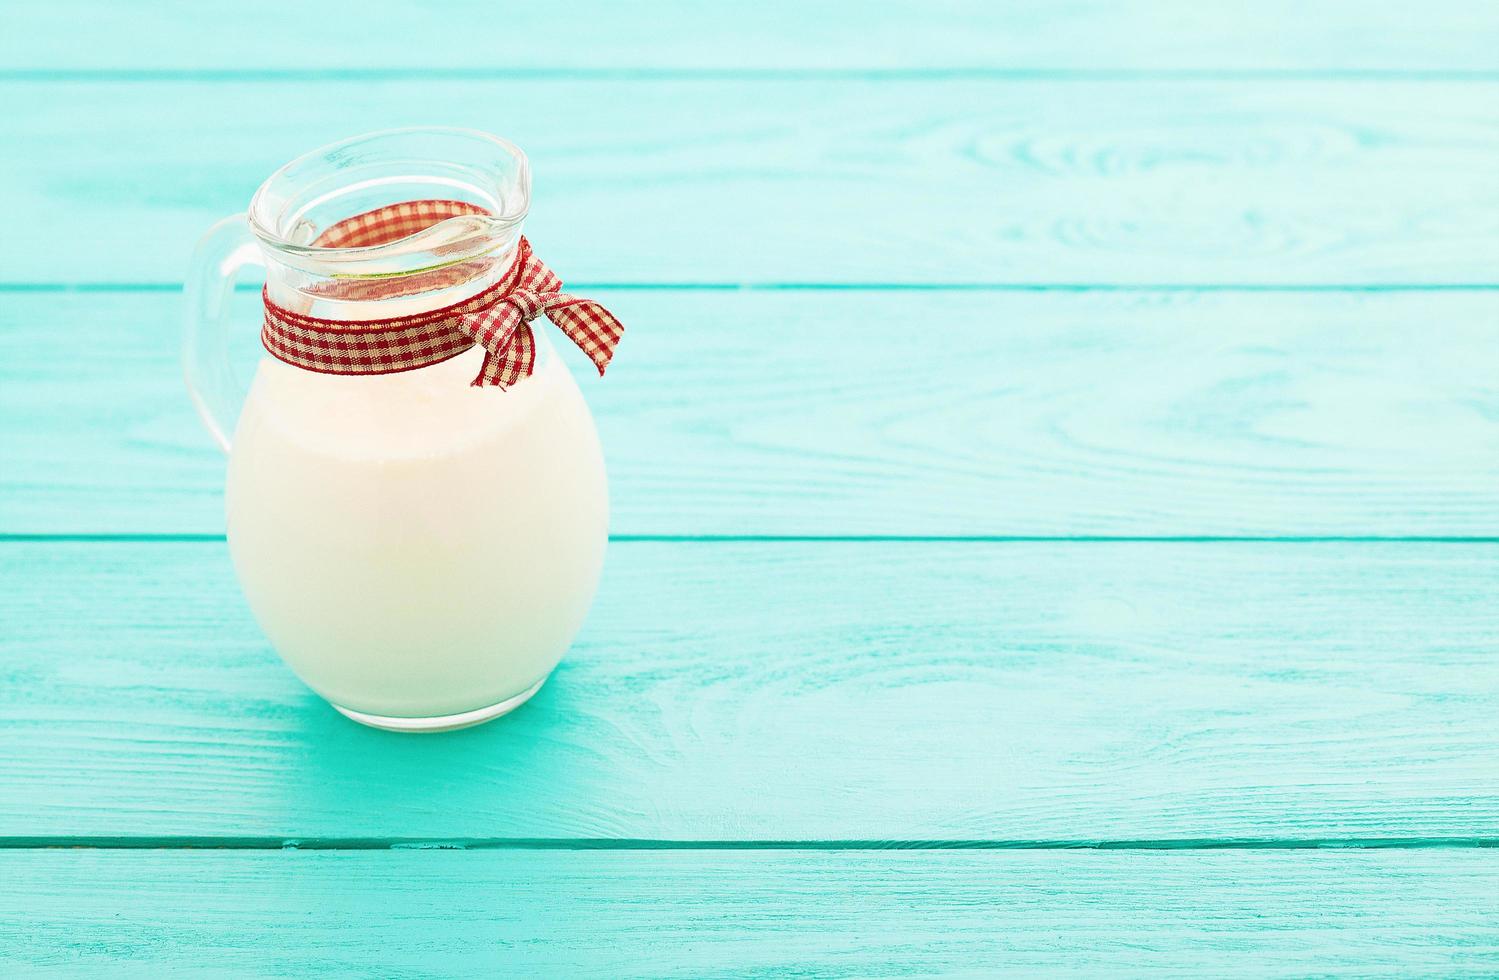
414	547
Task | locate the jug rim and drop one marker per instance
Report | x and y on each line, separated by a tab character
497	172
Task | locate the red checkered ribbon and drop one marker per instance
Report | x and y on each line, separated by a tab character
498	318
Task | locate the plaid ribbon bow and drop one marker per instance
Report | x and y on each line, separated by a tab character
498	319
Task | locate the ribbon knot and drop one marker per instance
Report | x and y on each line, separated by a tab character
498	319
527	305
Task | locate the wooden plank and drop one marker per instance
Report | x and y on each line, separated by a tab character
615	914
804	691
827	180
91	35
878	412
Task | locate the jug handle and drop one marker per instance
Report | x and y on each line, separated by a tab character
216	390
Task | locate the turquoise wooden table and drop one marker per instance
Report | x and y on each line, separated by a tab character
1055	473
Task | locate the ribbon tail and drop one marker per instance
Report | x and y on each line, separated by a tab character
514	363
510	350
594	329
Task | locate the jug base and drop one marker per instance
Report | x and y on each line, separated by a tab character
442	723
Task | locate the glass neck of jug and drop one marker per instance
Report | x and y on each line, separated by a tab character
301	215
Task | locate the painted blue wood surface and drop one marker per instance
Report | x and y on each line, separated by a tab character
750	413
940	37
1010	185
897	691
765	181
778	913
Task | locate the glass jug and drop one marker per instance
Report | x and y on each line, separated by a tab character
420	551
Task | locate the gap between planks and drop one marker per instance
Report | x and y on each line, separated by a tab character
644	74
193	538
126	843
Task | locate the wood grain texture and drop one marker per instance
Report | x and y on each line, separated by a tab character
696	914
834	180
744	726
813	691
94	35
878	412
